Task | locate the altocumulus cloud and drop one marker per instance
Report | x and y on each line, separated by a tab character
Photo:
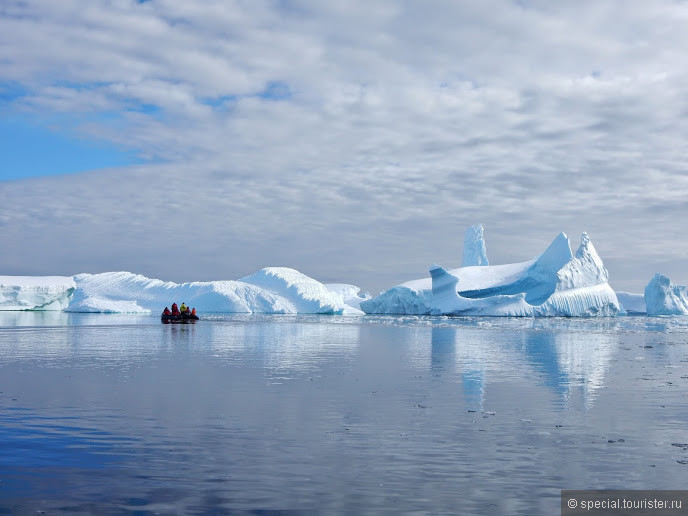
354	142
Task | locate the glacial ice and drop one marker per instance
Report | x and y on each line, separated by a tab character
35	292
662	297
556	283
277	290
474	252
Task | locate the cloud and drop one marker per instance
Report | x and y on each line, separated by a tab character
347	139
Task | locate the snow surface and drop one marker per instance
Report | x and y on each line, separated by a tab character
474	252
35	292
631	303
662	297
277	290
554	284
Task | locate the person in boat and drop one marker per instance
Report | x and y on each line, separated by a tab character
175	310
166	311
193	312
182	308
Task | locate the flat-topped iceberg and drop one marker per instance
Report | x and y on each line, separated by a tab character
662	297
275	290
556	283
35	292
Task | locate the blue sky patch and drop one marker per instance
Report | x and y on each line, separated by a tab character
11	91
33	150
276	90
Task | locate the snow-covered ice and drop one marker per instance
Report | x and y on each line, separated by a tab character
277	290
35	292
556	283
662	297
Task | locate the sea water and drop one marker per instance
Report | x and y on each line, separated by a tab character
103	414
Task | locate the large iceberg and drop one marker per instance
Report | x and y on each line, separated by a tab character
276	290
662	297
556	283
35	292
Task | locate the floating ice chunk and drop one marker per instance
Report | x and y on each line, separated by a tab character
474	252
35	292
664	298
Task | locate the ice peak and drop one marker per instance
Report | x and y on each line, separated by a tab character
474	252
557	254
585	239
585	270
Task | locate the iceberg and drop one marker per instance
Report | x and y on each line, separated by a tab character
35	292
275	290
474	252
581	286
662	297
556	283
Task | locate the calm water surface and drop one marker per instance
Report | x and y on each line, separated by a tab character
109	414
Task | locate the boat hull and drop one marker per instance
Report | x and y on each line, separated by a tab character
178	319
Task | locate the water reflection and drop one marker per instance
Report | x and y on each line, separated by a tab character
567	360
287	345
341	415
33	318
444	360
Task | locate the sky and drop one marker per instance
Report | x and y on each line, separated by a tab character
354	141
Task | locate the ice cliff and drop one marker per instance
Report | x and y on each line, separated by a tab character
662	297
276	290
556	283
35	292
